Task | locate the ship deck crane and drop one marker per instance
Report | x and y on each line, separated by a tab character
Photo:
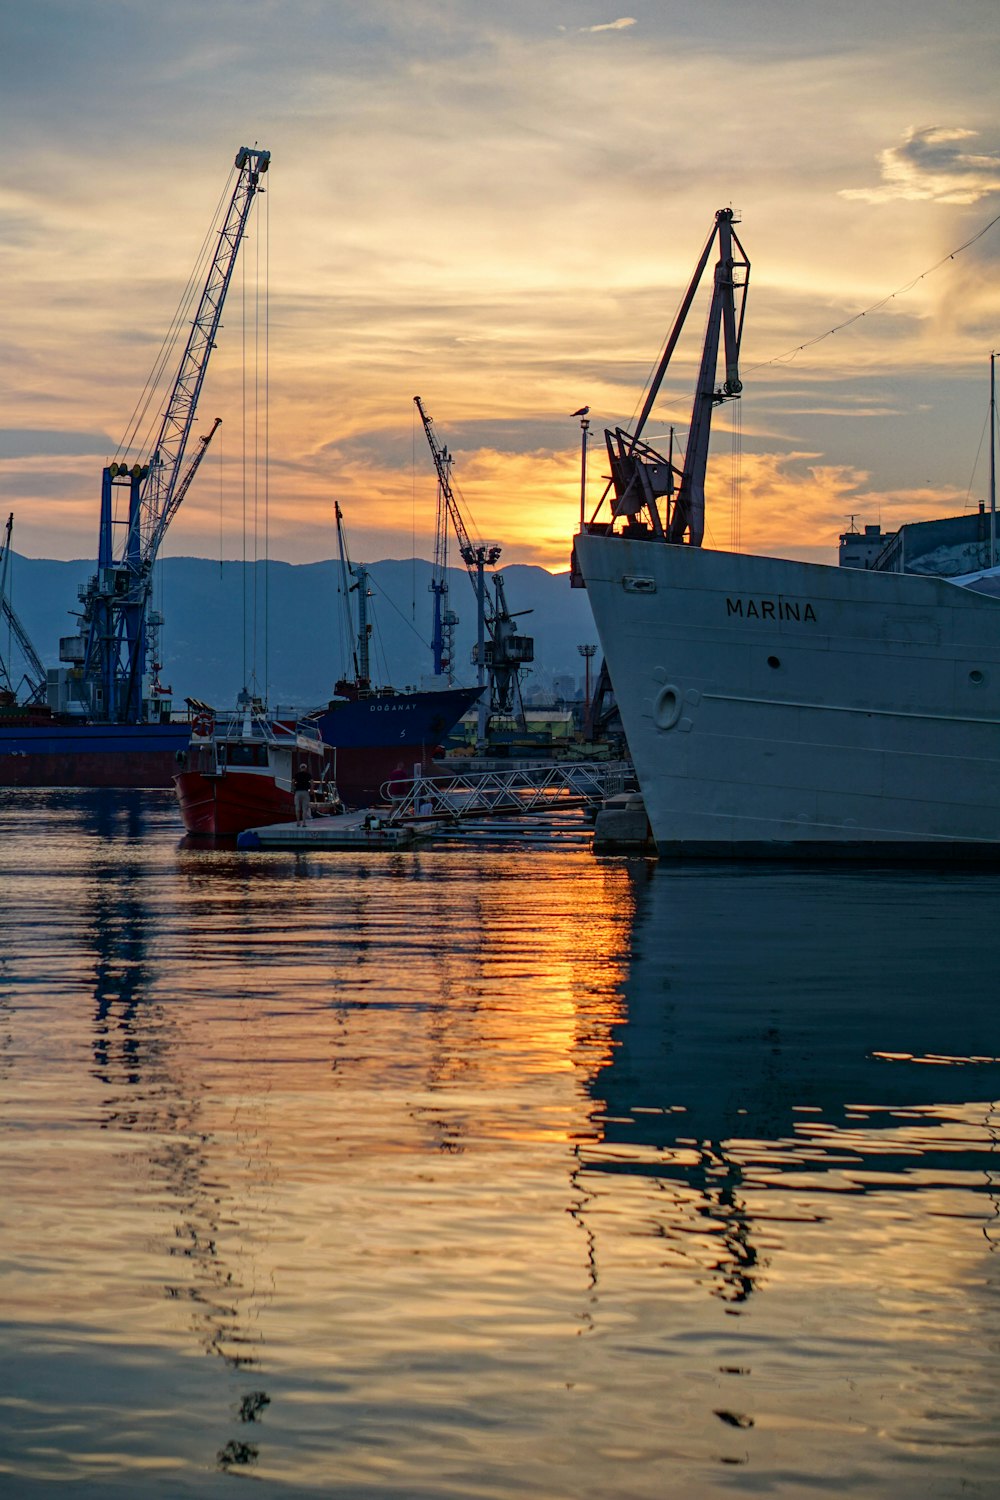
502	656
361	637
641	477
117	625
33	677
444	618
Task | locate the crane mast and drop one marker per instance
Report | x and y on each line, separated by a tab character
444	618
641	477
502	656
118	629
442	462
361	638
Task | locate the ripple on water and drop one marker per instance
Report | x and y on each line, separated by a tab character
483	1173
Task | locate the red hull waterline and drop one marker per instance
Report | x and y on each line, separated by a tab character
38	749
362	774
153	769
223	806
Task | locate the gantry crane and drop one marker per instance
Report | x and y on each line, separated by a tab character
33	677
502	656
118	630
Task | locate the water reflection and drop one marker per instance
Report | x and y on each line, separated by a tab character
787	1036
109	920
490	1172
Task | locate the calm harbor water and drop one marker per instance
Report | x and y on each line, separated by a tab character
490	1172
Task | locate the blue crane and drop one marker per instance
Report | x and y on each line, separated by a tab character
117	642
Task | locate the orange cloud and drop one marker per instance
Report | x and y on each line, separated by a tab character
794	505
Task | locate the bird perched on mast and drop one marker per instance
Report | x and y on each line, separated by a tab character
583	412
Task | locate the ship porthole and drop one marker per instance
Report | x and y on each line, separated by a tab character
774	662
667	706
977	678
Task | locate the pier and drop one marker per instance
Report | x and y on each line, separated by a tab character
530	788
533	798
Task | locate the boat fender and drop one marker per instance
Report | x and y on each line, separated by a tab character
248	839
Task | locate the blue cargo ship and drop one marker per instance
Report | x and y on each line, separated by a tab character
380	734
40	749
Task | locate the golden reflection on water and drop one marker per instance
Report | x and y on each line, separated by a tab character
485	1174
259	1027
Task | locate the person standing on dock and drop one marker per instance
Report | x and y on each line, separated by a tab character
303	782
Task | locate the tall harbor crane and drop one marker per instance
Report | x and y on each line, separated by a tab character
32	681
502	656
115	652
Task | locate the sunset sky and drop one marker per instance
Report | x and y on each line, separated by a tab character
496	207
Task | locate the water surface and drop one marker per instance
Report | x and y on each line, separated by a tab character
489	1172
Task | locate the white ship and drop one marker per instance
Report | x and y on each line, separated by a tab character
784	708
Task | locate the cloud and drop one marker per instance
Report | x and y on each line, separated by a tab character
795	504
466	205
619	25
27	442
931	165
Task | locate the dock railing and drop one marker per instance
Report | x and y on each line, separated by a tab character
528	788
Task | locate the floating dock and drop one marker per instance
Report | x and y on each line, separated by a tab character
360	830
530	804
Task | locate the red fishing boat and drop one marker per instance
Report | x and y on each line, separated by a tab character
238	771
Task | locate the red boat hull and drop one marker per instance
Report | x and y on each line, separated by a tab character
223	806
361	775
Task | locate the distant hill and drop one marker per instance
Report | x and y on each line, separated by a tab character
222	618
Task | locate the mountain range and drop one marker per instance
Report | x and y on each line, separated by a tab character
280	627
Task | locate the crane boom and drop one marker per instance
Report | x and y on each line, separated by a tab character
642	477
469	550
506	652
118	626
35	674
158	502
192	469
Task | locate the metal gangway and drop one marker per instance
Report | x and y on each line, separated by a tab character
529	788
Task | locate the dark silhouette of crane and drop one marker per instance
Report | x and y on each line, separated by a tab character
116	650
30	686
640	476
500	651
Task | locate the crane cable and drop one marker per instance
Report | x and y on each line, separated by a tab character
267	435
154	380
876	306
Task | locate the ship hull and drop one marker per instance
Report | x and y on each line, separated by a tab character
380	737
781	708
223	806
90	755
